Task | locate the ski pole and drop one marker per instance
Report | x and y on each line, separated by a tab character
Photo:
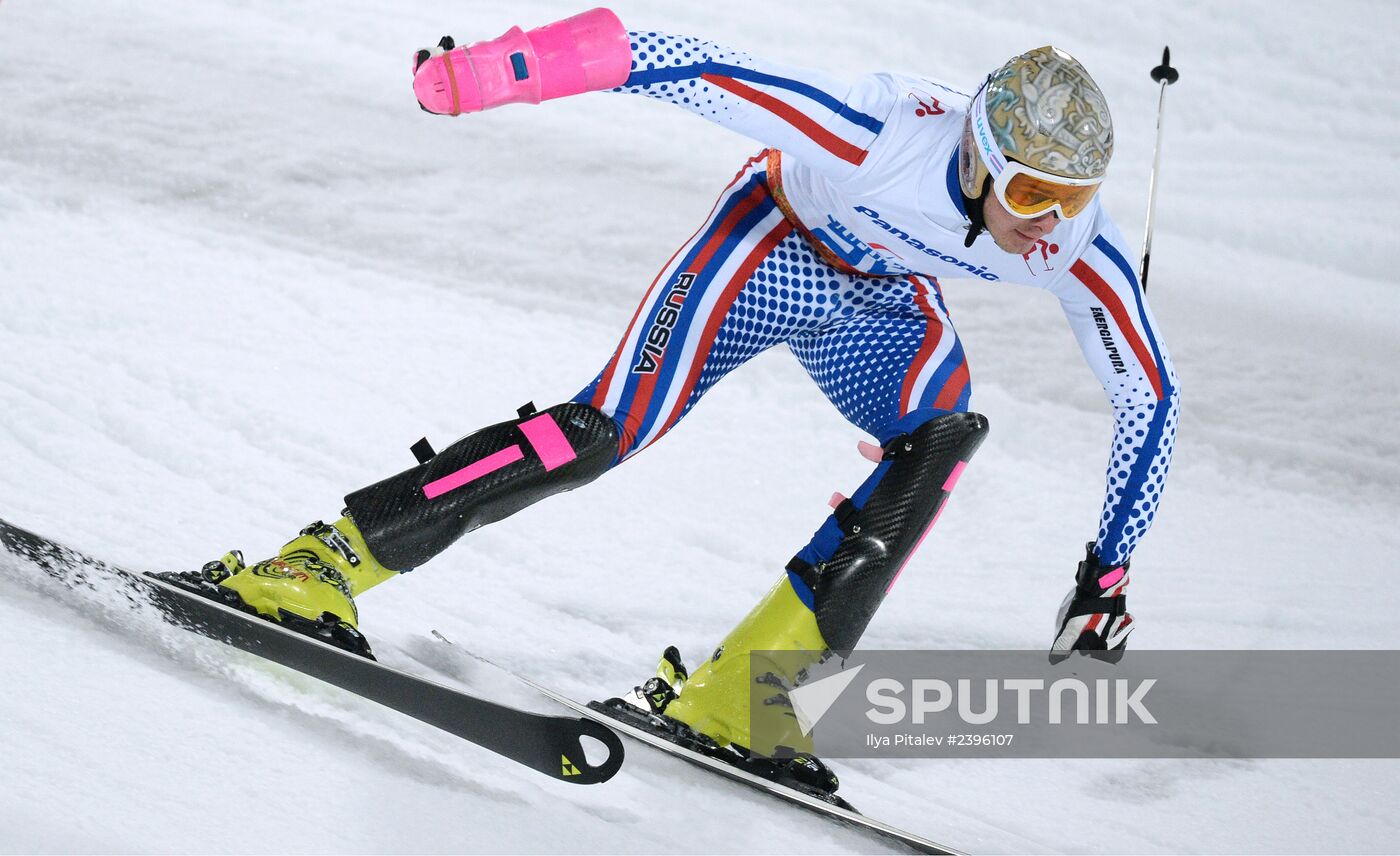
1165	75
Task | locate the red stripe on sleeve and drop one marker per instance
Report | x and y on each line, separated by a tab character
1106	295
799	120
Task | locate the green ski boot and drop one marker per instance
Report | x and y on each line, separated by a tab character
716	698
742	717
310	585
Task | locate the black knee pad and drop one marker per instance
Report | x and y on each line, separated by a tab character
411	517
880	537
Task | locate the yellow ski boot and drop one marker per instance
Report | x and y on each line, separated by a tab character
735	706
309	586
716	699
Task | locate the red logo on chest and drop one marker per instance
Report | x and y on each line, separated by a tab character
1043	250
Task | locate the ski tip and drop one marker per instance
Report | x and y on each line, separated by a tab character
574	766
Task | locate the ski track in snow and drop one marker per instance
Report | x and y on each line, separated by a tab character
240	272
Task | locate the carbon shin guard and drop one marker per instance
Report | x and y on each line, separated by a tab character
881	530
411	517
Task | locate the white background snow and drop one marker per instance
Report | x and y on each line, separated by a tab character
240	272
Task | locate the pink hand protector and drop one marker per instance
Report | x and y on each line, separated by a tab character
585	53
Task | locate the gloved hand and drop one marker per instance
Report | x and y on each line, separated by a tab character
1094	615
422	55
586	53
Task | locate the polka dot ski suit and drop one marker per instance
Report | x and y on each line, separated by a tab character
831	241
747	281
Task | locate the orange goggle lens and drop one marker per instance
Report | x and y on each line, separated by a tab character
1029	196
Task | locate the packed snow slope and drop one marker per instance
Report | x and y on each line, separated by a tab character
240	272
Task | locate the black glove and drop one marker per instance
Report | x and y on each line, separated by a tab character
1094	615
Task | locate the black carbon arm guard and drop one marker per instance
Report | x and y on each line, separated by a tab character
880	537
411	517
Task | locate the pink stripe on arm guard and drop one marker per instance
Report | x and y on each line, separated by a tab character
585	53
548	441
1110	579
948	485
473	471
543	435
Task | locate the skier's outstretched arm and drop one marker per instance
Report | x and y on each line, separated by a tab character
828	124
1108	312
824	122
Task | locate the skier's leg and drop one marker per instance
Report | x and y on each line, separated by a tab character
402	521
680	343
411	517
714	306
693	327
917	401
911	394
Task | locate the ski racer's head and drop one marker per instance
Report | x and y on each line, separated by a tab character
1036	144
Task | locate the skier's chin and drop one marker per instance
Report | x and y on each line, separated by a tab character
1013	243
1012	234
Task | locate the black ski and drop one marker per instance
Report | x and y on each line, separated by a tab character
549	744
841	812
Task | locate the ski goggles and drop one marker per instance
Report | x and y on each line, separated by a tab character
1023	190
1027	192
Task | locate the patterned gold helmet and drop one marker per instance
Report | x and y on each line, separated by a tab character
1040	114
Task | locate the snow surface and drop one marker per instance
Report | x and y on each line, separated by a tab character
240	272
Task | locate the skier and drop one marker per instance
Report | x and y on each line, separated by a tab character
830	240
